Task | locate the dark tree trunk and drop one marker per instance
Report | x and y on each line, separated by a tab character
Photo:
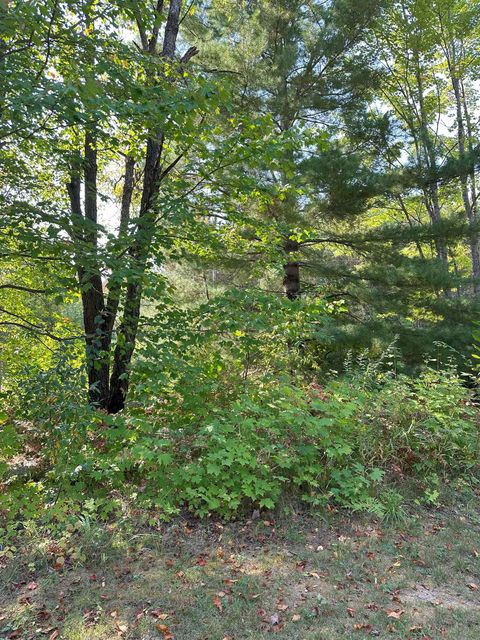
89	276
291	270
127	332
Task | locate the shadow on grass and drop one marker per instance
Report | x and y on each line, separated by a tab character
301	579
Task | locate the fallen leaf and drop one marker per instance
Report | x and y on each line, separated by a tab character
275	619
121	627
296	617
54	635
394	614
218	603
157	613
351	612
31	586
167	635
472	586
363	627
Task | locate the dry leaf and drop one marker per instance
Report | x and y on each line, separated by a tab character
296	617
157	613
121	628
167	635
218	603
394	614
363	627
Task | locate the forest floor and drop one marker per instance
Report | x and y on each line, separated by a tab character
302	578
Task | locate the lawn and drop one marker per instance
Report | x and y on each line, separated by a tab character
304	577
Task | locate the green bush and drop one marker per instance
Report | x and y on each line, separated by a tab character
223	421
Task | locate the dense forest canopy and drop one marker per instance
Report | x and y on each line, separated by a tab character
220	213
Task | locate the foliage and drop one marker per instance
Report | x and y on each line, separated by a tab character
214	443
233	237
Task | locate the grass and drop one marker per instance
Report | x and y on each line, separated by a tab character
301	578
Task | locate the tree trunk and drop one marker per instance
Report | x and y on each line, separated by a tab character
291	270
127	333
469	196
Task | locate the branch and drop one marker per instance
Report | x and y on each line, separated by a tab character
19	287
152	45
38	331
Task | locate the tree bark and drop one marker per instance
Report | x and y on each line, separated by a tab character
127	333
291	270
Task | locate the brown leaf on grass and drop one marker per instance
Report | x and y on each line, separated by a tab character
165	631
157	613
296	617
218	603
201	561
363	627
472	586
281	605
391	613
31	586
121	628
54	635
350	612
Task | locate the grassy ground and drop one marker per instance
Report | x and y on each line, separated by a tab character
304	578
